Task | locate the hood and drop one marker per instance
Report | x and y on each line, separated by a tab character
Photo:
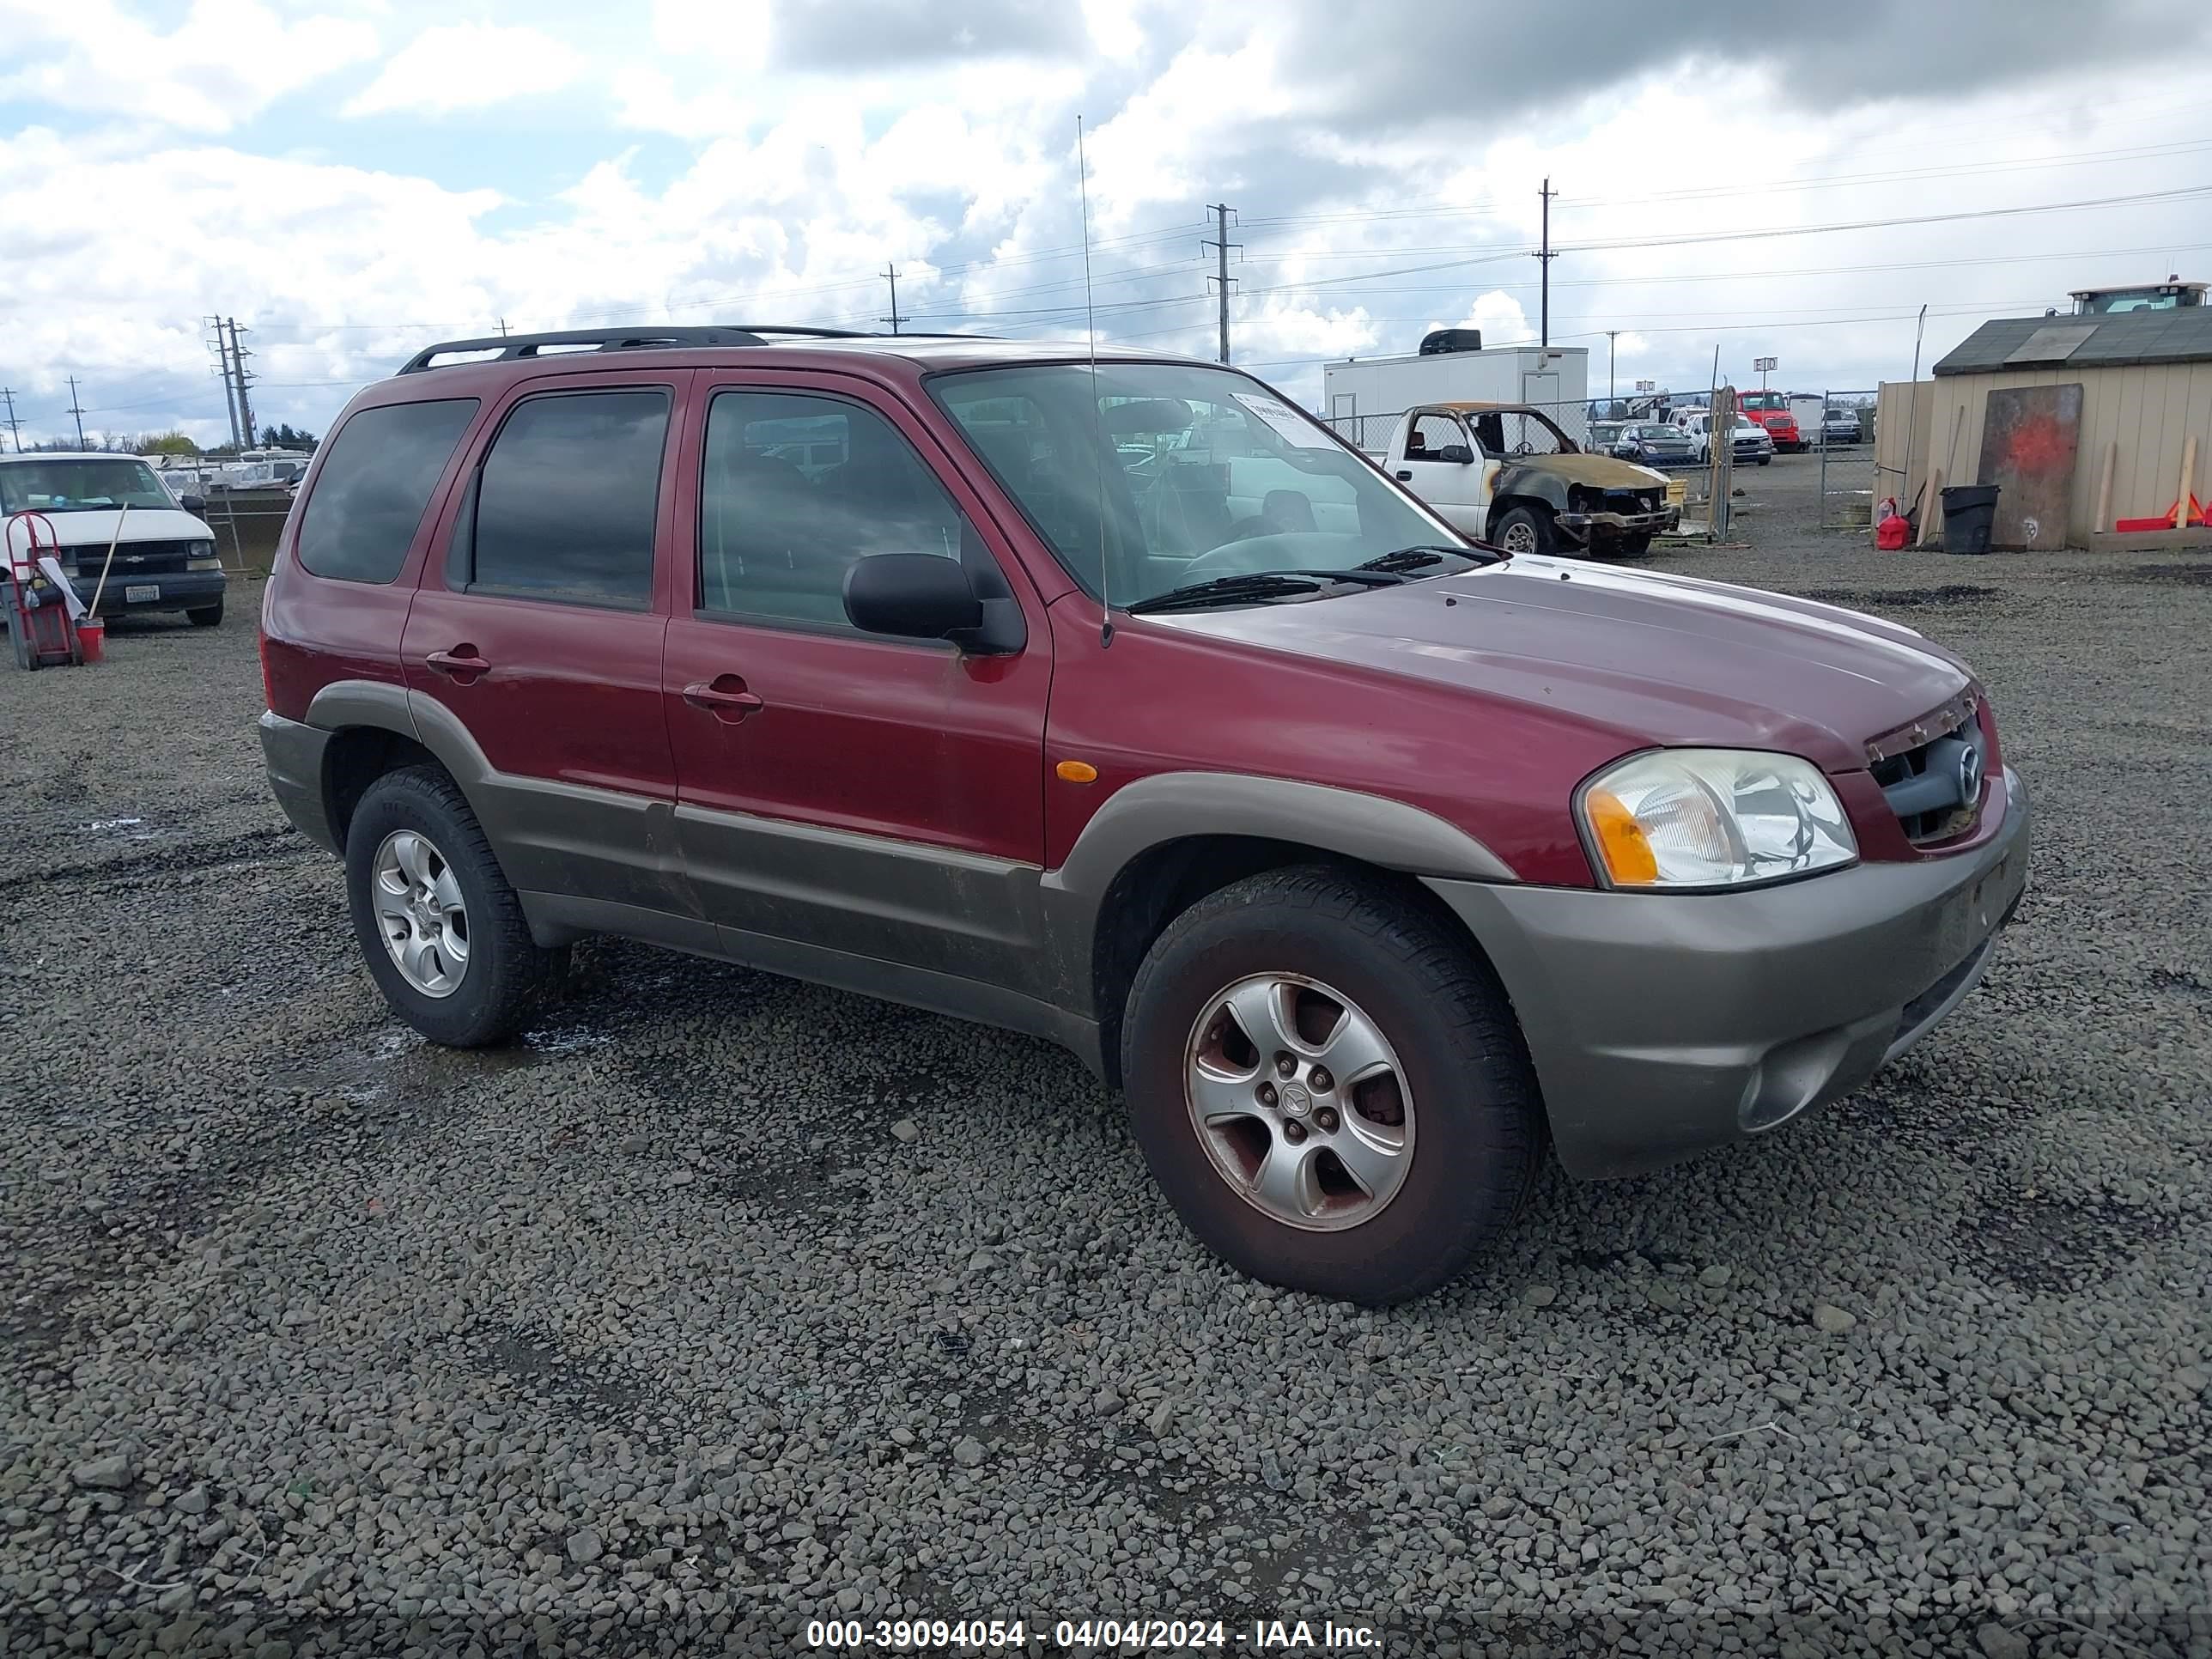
1653	659
97	528
1594	471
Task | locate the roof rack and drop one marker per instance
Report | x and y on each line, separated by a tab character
502	348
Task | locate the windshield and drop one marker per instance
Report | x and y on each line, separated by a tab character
1645	433
79	486
1175	474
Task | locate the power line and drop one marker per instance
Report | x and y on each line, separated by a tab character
13	424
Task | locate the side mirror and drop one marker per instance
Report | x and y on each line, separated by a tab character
192	503
922	596
1457	455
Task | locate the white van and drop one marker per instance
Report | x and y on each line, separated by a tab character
166	558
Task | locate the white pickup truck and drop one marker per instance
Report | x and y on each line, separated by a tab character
1506	474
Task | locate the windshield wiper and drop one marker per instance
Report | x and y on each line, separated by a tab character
1261	585
1420	558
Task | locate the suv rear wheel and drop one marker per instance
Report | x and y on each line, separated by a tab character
1329	1086
441	931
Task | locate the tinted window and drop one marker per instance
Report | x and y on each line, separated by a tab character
377	479
795	490
566	501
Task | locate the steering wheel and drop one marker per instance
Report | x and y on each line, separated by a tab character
1524	447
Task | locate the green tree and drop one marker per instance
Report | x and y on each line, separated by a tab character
168	443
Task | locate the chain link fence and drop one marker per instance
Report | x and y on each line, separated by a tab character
1843	441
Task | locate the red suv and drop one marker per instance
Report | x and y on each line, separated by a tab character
1119	702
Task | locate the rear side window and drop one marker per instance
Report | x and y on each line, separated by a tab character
566	503
376	481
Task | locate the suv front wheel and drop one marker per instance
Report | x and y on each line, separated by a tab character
1329	1087
442	933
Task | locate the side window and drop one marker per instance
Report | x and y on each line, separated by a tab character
375	483
1431	434
795	489
565	503
1490	432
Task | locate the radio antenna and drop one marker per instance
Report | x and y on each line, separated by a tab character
1097	418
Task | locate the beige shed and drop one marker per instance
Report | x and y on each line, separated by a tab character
2145	411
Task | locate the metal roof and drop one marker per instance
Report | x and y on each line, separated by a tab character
2118	340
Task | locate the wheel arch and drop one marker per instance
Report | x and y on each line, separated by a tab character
373	730
1162	844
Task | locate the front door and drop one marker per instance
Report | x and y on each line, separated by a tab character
864	799
1456	489
536	638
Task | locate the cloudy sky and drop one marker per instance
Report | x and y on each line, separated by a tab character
353	179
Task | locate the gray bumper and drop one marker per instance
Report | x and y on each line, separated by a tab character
1604	526
1664	1025
293	755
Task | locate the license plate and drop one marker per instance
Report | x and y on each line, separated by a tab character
142	593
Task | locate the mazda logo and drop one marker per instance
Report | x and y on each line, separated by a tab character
1970	775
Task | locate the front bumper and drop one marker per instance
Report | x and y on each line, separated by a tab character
182	590
1607	527
292	752
1663	1025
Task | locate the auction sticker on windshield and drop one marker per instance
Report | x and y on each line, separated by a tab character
1284	421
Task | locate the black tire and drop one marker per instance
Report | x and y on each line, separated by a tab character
1634	546
208	615
1477	1111
1764	460
1539	522
506	973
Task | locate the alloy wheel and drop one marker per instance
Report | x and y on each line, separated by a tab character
420	913
1300	1101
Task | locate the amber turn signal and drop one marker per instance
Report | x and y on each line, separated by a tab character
1076	772
1621	843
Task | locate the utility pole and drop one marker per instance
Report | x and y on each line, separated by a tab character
74	410
1544	256
1221	245
230	393
1609	333
502	328
238	354
894	320
13	424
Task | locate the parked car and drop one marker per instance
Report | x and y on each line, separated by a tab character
165	559
1753	444
1506	473
1839	425
1651	443
1603	434
1772	410
1357	856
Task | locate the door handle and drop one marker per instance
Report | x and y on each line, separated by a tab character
461	663
1404	475
723	696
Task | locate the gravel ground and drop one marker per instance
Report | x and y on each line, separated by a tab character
721	1303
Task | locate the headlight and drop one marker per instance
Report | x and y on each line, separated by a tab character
1713	817
201	556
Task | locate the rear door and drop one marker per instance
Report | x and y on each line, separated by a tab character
847	801
1455	488
535	640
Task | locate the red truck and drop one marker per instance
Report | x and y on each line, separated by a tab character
1771	410
1116	702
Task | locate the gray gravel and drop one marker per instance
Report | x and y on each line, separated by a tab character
720	1302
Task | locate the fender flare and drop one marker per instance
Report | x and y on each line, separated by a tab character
1154	811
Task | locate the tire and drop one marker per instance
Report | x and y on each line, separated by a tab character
1472	1120
1529	522
1634	546
505	972
208	615
1765	459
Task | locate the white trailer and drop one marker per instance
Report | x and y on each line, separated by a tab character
1807	410
1362	397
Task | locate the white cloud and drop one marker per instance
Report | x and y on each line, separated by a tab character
224	63
460	66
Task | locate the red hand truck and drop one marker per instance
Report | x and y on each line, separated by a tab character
39	619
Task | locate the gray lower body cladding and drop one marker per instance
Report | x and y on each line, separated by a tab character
1662	1025
292	751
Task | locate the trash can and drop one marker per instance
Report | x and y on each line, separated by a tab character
1970	512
